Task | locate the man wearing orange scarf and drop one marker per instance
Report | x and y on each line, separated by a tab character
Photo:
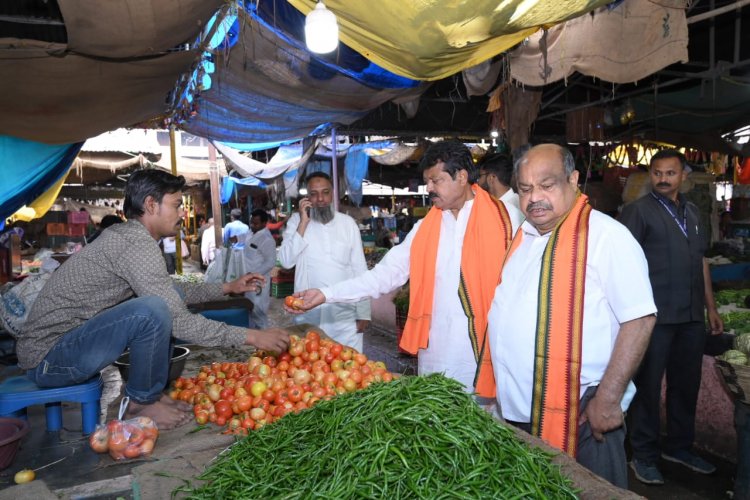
452	258
571	318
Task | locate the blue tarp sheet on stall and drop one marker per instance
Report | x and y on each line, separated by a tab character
28	169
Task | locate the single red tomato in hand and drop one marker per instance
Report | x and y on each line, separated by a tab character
294	302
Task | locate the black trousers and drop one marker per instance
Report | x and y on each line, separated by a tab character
678	350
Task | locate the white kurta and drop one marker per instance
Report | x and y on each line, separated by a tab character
208	245
449	350
510	198
326	255
260	257
617	290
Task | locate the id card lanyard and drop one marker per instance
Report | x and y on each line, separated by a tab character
682	224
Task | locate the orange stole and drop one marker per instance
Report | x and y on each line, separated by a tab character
488	235
557	363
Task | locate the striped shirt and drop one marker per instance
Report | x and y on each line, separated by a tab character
123	263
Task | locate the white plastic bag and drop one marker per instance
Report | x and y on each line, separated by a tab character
16	302
215	270
235	265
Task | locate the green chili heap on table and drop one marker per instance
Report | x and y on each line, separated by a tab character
416	437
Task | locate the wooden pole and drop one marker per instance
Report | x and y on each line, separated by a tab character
213	171
178	238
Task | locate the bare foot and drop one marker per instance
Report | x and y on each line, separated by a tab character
166	416
182	405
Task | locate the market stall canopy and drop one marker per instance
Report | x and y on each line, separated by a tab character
90	67
110	157
433	39
83	69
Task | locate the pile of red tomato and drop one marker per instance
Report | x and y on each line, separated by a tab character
248	395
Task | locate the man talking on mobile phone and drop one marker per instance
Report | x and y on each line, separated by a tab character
325	247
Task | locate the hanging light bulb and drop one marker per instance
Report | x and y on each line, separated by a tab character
321	30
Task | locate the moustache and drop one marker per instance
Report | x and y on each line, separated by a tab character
537	205
432	195
663	184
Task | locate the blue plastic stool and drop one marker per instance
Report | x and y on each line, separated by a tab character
17	393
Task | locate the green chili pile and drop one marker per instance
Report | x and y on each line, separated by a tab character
416	437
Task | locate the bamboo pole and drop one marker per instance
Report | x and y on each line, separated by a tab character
178	238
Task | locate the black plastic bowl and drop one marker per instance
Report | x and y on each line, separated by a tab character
176	364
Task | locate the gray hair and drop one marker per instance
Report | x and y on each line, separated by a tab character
568	162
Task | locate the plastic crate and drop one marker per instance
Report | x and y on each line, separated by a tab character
57	229
280	290
78	218
77	229
55	216
282	279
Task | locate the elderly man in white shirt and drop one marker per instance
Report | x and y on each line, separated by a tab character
260	257
325	247
571	318
455	234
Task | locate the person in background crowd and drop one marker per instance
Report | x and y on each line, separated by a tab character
275	227
115	294
668	228
260	258
107	220
202	225
208	243
325	247
382	235
571	319
169	249
495	176
452	259
235	231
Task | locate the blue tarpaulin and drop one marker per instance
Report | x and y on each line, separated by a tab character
28	169
355	166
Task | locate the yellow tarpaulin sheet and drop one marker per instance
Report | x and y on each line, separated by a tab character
433	39
39	207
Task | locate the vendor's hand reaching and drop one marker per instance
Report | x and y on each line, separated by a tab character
310	298
272	339
250	282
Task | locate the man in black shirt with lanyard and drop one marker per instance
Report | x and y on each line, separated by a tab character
668	228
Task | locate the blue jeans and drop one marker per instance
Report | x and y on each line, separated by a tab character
144	325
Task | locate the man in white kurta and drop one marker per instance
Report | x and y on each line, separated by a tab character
208	243
260	257
323	255
449	350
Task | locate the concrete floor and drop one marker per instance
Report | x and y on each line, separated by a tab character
79	465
